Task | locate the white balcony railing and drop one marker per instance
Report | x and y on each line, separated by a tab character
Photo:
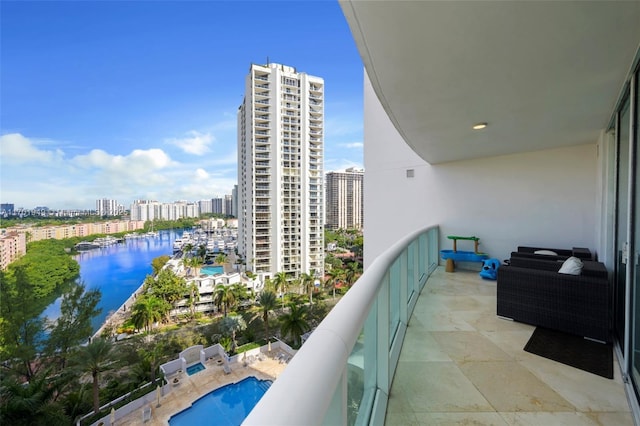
343	372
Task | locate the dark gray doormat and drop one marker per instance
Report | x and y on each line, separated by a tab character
576	351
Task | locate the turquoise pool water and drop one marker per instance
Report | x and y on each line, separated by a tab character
211	270
193	369
226	406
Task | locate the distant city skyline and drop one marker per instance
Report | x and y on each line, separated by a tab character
138	100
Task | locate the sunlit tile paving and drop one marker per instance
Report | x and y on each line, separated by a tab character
461	364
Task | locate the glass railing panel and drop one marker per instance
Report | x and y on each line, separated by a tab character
334	414
411	270
434	252
354	351
355	379
371	361
394	299
422	247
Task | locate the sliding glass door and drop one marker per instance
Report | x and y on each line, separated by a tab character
622	223
634	258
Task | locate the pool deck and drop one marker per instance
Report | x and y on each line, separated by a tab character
190	388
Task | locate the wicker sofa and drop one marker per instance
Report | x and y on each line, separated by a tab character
561	254
530	290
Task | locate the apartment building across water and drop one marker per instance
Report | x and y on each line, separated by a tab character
280	171
345	199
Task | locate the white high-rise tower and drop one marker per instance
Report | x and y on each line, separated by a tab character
280	172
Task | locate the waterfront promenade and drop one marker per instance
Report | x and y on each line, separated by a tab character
120	315
117	317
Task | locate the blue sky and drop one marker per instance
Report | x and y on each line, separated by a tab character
138	100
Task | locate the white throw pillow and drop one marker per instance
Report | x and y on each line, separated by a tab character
571	266
547	252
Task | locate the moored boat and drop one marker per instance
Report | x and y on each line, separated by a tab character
86	245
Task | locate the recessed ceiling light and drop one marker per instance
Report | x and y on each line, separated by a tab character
479	126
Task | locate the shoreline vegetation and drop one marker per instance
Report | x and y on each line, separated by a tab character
51	375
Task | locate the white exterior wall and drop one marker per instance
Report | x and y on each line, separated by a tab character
151	210
106	207
544	198
312	176
205	206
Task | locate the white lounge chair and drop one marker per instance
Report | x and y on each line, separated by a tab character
226	369
146	414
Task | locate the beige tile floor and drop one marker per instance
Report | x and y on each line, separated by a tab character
190	388
461	364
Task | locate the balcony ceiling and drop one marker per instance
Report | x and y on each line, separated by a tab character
542	74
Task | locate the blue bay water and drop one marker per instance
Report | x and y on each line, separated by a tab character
118	270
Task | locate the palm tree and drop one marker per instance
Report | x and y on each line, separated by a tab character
220	259
307	283
187	248
334	276
224	296
197	263
230	326
150	358
191	263
267	301
31	403
147	310
352	273
95	358
240	292
295	322
194	297
280	283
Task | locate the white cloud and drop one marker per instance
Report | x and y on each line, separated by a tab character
17	149
122	177
196	143
352	145
78	181
138	163
201	175
333	165
38	172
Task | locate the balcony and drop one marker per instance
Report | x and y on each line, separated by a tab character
425	347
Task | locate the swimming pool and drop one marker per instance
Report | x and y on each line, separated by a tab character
193	369
211	270
226	406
